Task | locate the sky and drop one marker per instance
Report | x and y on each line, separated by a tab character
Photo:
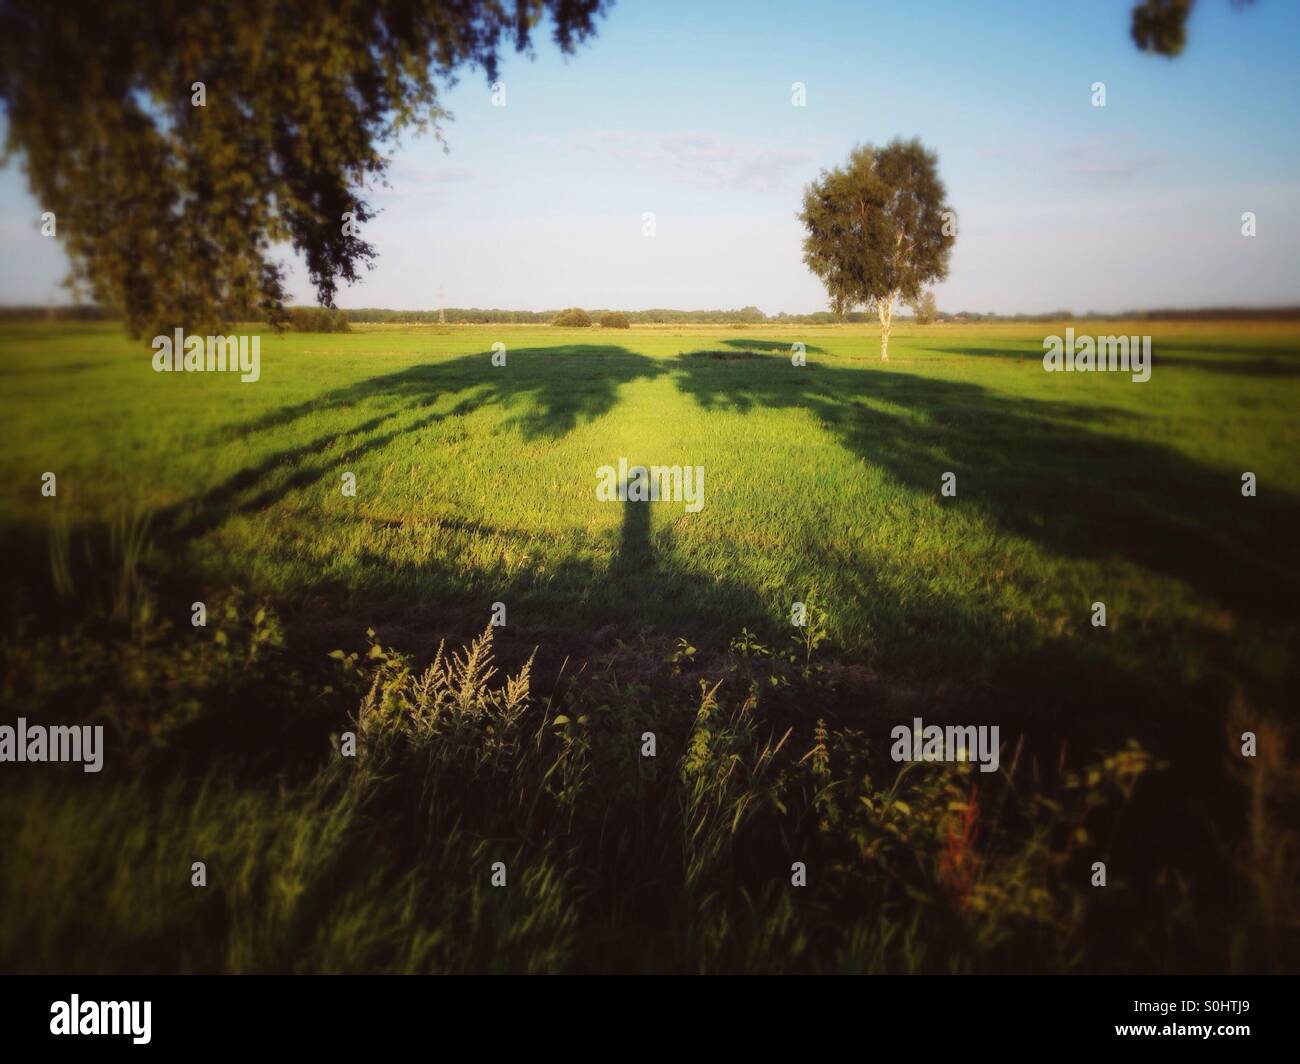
684	110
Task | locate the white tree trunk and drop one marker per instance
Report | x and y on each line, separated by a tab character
885	308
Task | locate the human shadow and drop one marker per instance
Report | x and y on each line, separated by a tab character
1048	471
635	552
587	589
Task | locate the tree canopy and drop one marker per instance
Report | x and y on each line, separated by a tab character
877	229
179	144
1160	26
574	317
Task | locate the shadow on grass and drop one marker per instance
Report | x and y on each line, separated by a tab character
1250	360
1043	470
643	586
561	388
772	346
1046	471
1050	472
1238	366
552	392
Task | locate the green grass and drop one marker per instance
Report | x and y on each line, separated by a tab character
476	484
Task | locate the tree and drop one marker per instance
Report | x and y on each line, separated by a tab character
573	318
878	229
614	319
178	144
924	308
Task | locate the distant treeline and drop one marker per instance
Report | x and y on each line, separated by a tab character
298	319
754	316
475	316
72	313
1210	314
318	319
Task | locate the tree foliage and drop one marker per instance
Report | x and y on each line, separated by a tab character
925	308
614	319
1160	26
877	229
574	318
171	211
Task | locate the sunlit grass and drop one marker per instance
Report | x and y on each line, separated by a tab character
476	484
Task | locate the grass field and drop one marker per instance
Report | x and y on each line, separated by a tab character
476	484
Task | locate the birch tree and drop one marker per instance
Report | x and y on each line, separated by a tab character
878	230
182	146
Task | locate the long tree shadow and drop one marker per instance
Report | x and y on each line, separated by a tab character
1233	365
1063	477
559	387
1044	470
1253	360
771	346
545	392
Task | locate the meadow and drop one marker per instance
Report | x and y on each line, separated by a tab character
475	485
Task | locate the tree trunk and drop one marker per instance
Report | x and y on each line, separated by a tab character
885	307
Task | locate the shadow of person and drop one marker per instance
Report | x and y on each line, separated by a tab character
635	554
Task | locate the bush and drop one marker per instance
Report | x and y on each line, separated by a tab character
614	320
574	318
318	320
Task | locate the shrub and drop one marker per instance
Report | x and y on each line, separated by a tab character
614	320
574	318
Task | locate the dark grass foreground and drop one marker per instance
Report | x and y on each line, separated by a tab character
612	861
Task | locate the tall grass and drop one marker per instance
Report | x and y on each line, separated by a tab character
614	861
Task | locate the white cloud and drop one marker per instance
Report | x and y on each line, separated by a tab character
1092	159
703	160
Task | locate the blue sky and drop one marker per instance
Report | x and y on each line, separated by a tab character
684	110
